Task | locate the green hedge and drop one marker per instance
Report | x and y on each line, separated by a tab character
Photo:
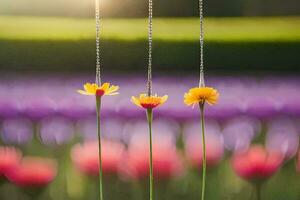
232	44
125	55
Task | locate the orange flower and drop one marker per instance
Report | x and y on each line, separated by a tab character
201	95
94	89
149	102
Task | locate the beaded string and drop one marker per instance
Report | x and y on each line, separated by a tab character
201	80
97	18
150	28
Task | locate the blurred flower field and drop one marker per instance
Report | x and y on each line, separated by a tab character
49	131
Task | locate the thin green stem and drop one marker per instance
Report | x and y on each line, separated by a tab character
98	107
258	192
203	152
149	117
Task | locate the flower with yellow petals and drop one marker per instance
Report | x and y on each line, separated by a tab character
149	102
99	91
200	95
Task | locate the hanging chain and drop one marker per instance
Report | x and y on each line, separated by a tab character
98	68
201	80
149	82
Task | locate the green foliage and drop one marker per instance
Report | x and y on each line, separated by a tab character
35	43
170	29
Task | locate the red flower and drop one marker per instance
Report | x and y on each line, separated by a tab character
86	159
214	151
167	162
9	159
256	164
33	172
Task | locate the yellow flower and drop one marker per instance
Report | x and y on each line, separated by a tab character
149	102
201	95
94	89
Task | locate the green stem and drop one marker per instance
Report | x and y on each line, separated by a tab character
98	107
258	192
203	152
149	117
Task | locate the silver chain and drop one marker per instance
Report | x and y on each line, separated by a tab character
201	80
149	82
97	18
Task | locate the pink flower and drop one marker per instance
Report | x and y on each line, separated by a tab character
86	159
256	164
167	163
9	159
214	151
193	143
33	172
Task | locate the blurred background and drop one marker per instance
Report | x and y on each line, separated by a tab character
48	131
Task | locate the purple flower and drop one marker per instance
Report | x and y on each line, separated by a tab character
37	108
283	136
17	131
239	132
56	130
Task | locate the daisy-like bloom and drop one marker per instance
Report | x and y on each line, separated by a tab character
201	95
149	102
99	91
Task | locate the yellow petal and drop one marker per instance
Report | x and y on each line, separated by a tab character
112	89
112	94
189	100
164	99
135	101
87	86
91	88
142	97
105	87
83	92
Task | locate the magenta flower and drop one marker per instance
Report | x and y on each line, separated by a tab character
256	164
